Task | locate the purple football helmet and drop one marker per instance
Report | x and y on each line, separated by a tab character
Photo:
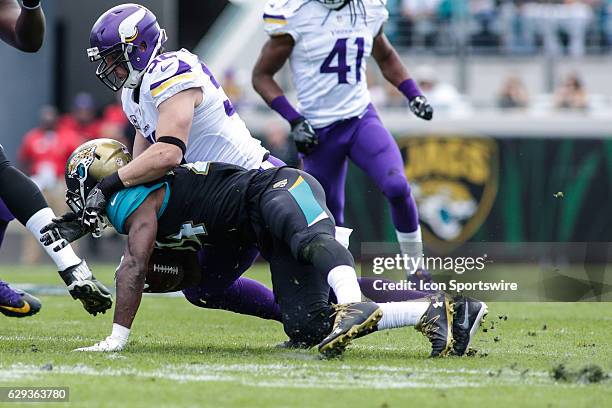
130	35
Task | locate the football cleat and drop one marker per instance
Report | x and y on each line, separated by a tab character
352	320
17	303
437	325
82	285
469	315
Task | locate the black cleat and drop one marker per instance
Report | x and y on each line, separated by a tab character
352	320
17	303
437	325
469	314
82	285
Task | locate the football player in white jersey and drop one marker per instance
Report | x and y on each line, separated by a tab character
328	43
179	110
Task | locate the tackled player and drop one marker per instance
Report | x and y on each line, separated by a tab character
281	211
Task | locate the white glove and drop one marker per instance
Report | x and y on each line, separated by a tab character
115	342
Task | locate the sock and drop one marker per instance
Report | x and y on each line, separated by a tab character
65	257
343	281
411	245
401	314
343	236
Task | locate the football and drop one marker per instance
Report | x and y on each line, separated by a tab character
171	271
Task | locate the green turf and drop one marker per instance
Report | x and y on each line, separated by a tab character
180	355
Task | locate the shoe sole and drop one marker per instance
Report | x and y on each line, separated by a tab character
480	318
450	310
484	311
337	345
84	291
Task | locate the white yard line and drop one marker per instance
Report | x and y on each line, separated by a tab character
294	375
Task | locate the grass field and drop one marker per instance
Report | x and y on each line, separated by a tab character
180	355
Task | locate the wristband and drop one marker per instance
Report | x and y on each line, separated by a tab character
281	105
410	89
30	4
111	184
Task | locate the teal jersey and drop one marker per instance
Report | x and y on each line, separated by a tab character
123	203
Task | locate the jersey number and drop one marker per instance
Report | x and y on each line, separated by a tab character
342	68
227	104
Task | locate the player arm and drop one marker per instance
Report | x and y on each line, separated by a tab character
173	127
389	61
395	72
275	52
22	27
140	144
142	229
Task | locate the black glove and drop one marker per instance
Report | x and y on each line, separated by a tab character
95	207
421	108
303	135
62	231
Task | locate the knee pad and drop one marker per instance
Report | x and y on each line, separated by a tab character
325	253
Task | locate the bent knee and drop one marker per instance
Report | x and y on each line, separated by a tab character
396	187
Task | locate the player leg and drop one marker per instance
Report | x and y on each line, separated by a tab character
297	221
295	214
222	286
328	164
27	203
374	150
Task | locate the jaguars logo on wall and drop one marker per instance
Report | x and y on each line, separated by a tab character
454	182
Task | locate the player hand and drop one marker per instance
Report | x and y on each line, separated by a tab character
421	108
110	344
95	207
303	135
62	231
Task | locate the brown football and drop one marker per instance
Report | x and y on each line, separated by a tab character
171	271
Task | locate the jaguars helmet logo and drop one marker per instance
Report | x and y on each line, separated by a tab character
454	182
78	166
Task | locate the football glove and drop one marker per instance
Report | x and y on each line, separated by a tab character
63	230
303	135
95	207
421	108
110	344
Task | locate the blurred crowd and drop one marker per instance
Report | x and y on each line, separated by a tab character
574	27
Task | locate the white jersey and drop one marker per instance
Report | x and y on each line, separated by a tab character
328	61
217	132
